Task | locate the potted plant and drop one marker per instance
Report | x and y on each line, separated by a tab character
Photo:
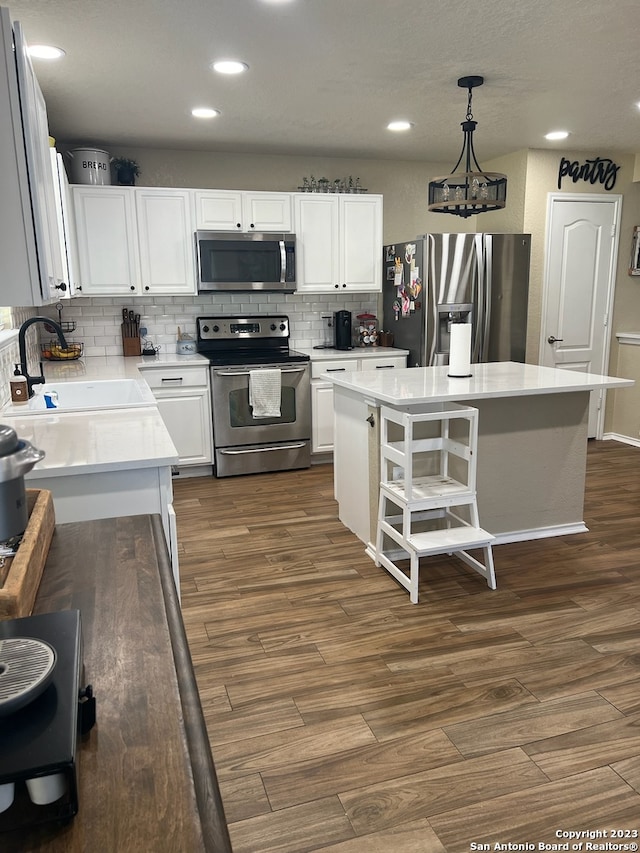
126	171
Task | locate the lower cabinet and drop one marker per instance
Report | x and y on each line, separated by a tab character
322	425
184	402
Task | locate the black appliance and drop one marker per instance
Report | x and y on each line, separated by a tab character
230	261
240	350
342	330
38	740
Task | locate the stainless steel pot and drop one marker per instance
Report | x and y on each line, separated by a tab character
17	457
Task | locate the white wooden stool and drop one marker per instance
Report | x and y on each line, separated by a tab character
428	501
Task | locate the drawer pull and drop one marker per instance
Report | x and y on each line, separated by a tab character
177	379
335	369
384	366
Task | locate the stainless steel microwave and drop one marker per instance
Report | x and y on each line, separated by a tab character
243	262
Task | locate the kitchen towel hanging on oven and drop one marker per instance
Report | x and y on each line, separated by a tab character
265	392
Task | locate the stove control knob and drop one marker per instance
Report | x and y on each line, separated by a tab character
205	328
216	328
273	327
282	327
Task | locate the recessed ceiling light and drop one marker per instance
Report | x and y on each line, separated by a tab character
46	51
557	134
204	112
229	66
400	125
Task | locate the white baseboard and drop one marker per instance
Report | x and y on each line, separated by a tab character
625	439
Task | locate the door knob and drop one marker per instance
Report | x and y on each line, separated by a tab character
552	340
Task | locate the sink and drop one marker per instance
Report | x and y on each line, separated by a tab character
86	396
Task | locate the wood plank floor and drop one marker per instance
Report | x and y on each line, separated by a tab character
343	718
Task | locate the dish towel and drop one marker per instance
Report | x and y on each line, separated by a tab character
265	392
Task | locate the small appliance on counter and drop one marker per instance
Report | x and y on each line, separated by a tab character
17	458
342	330
43	709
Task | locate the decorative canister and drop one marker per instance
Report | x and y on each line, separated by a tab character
367	330
90	166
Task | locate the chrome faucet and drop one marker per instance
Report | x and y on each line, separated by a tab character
35	380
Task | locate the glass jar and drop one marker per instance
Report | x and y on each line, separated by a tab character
367	330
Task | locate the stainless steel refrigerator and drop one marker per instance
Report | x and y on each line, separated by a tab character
438	279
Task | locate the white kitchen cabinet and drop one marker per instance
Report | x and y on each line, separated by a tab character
339	242
322	418
184	402
165	241
228	210
31	263
66	226
107	240
133	242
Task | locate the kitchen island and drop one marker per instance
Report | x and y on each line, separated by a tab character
532	442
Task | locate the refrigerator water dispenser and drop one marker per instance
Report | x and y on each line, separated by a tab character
453	312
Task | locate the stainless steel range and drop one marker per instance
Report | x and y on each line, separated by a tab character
260	392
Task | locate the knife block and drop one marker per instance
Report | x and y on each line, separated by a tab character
130	346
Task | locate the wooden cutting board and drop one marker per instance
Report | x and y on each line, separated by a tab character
21	574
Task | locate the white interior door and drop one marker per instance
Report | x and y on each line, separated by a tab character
582	247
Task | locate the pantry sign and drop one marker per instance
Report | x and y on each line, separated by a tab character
599	170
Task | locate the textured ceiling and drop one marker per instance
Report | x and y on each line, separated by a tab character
327	75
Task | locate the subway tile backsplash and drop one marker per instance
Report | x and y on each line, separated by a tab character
98	319
9	355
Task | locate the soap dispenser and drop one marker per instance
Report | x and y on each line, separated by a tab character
19	387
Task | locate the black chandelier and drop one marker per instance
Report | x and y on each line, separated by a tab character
474	190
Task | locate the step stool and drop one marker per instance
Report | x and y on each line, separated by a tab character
428	502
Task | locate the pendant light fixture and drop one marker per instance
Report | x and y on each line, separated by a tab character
474	190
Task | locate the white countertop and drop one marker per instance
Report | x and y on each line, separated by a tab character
104	440
417	385
94	442
356	352
115	366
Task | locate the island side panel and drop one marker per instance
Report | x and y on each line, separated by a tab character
351	457
532	454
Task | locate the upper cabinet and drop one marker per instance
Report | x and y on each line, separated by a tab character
31	262
66	229
165	241
339	242
134	241
225	210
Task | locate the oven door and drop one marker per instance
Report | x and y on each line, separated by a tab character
245	444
